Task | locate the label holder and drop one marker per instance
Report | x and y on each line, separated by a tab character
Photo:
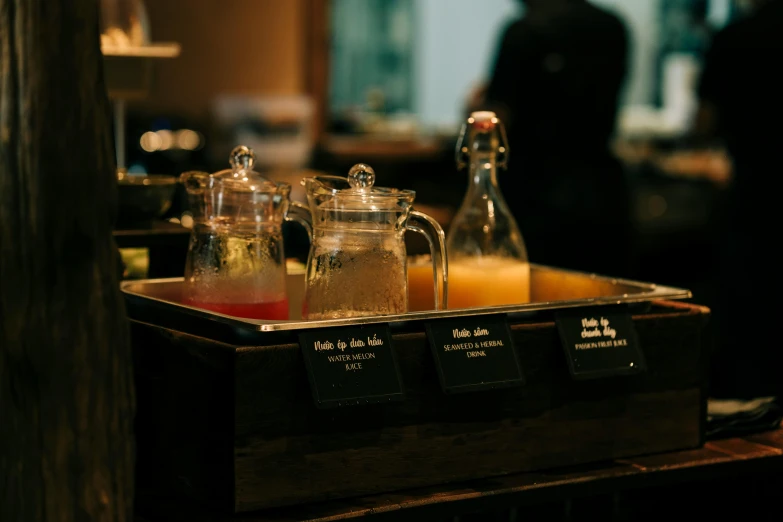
350	374
463	369
599	342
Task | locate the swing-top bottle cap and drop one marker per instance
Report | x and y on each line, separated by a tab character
484	117
482	131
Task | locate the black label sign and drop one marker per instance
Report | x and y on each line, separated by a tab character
600	342
351	366
474	353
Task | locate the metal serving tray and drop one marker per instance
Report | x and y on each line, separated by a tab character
159	302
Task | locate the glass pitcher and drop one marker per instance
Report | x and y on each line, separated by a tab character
357	261
235	261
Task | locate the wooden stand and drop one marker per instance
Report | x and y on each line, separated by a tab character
235	427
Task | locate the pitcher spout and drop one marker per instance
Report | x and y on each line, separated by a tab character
194	180
196	184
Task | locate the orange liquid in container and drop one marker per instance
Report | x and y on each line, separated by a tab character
276	310
421	286
474	282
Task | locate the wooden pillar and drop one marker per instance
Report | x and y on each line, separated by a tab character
317	14
66	394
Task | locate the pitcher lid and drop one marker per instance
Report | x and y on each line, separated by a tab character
237	195
357	191
242	159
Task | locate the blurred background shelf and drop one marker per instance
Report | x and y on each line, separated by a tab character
155	50
129	71
154	250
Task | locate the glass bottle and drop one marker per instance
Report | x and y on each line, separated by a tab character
488	261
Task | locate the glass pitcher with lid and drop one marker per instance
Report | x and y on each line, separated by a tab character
357	261
235	262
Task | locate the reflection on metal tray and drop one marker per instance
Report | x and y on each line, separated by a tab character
159	301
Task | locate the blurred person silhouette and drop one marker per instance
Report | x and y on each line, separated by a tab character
685	34
556	81
741	105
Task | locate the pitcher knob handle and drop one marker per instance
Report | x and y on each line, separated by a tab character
242	158
361	176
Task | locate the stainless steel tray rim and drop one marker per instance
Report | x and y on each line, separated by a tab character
651	292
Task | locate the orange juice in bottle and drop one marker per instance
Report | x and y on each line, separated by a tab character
472	283
421	284
488	281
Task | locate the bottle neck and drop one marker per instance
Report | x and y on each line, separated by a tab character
482	175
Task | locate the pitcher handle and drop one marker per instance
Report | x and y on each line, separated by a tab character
430	229
300	213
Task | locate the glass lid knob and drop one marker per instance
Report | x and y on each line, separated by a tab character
361	177
242	158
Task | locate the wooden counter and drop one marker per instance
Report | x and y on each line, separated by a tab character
720	466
